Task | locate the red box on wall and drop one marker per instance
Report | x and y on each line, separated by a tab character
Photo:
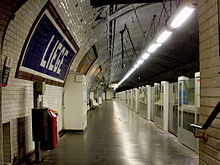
51	142
53	128
44	125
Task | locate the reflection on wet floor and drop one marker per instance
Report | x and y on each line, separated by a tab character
118	136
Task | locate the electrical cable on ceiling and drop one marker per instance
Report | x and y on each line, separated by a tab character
129	36
130	59
166	15
139	23
153	28
122	49
164	7
111	48
113	39
166	11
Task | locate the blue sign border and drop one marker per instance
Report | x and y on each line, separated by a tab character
47	31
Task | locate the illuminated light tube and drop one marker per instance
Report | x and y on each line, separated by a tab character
129	73
145	56
136	66
126	76
164	36
181	17
140	62
132	70
153	47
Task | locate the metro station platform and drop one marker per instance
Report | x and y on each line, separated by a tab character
118	136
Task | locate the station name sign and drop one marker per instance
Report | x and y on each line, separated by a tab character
48	52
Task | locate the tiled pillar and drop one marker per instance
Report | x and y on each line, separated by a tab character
209	153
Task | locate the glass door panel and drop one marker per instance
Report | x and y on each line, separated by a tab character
129	98
173	108
142	106
158	106
152	103
133	100
187	112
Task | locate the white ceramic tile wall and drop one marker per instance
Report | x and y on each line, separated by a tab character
78	16
17	97
53	100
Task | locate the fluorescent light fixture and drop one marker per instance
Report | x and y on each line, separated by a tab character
182	17
126	76
140	62
153	47
136	66
132	70
145	56
164	36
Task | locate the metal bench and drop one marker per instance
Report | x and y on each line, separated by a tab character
201	131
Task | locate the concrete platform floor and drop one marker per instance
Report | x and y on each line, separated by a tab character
118	136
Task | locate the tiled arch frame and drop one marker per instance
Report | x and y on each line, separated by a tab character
7	11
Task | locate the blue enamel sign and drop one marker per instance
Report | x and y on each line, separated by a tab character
48	53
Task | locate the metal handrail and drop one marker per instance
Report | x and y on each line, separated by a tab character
201	131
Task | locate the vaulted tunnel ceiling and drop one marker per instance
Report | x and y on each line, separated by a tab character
103	26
